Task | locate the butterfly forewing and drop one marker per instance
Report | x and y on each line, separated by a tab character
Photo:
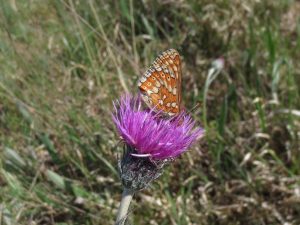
160	85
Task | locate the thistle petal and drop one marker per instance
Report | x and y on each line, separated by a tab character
149	134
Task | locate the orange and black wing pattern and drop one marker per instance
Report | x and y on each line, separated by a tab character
160	85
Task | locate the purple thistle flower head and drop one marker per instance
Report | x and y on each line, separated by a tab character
149	134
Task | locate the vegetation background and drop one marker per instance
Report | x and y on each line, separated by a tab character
63	62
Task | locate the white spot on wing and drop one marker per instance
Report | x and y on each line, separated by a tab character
149	92
145	98
172	73
143	79
157	84
147	74
174	91
158	69
173	104
155	90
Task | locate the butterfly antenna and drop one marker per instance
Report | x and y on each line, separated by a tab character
196	108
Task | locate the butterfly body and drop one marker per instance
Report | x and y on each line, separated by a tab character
160	85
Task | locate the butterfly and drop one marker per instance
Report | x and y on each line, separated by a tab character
160	85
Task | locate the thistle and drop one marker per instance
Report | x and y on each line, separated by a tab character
151	142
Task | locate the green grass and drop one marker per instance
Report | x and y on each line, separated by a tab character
62	63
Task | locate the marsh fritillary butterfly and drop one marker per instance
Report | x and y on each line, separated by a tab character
160	86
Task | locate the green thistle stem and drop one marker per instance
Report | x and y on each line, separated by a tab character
124	205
